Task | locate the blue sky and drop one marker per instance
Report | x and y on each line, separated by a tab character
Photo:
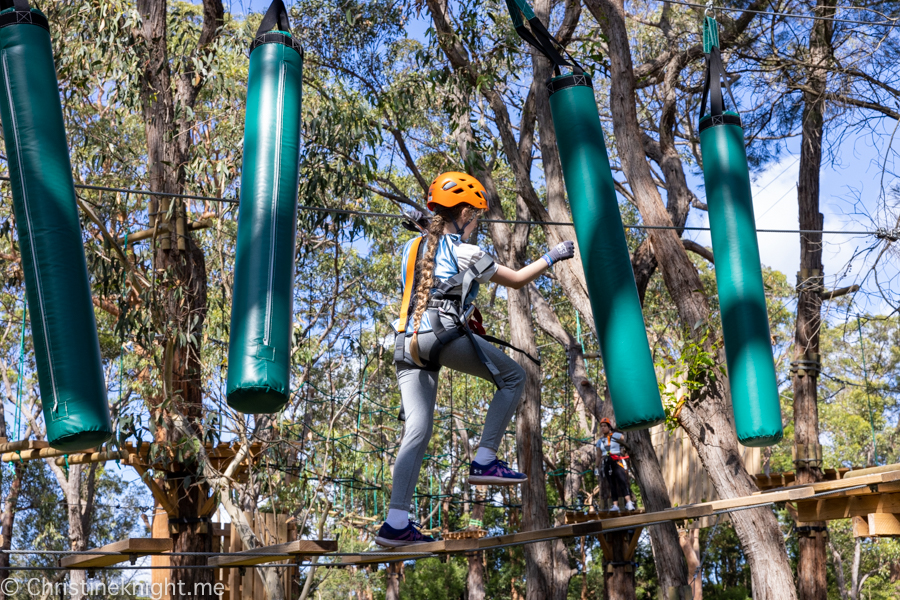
850	190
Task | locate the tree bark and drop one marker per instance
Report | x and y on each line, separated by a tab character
182	303
475	578
7	521
392	588
618	577
690	547
706	415
812	543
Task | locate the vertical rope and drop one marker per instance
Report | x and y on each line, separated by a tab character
20	373
868	397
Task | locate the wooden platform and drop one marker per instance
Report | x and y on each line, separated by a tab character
886	480
267	554
465	534
125	549
573	516
778	480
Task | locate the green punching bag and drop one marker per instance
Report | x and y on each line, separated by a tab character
742	299
622	336
66	345
259	350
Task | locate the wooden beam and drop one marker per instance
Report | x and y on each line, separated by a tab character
845	507
877	525
36	454
870	471
266	554
93	457
632	544
23	445
786	495
838	292
125	549
158	493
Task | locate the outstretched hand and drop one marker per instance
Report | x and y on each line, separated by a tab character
562	251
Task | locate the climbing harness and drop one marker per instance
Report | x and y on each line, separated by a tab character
443	301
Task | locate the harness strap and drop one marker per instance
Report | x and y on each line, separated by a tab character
538	37
715	74
408	286
275	18
505	344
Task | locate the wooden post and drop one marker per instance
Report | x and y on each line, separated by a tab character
160	578
618	573
392	589
475	581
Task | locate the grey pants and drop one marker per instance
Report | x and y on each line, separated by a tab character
418	392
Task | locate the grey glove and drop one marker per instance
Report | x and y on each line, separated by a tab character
417	221
562	251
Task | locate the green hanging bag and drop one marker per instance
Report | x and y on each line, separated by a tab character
259	350
621	333
742	299
63	327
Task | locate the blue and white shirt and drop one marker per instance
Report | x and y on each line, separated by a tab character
452	257
611	444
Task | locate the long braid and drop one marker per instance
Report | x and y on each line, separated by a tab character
425	268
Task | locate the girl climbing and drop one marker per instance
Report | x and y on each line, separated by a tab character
611	461
441	275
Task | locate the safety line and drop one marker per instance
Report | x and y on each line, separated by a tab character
881	233
889	23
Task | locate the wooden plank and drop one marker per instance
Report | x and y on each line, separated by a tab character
780	496
23	445
862	479
693	511
159	577
884	525
274	553
125	548
860	527
852	474
36	453
632	544
845	507
89	457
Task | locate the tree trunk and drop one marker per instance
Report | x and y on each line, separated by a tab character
705	416
690	547
392	588
475	579
812	542
618	577
6	522
664	537
181	302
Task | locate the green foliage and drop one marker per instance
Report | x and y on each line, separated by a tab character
434	578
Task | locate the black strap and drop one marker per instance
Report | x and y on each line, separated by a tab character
712	87
538	37
463	279
275	18
20	5
505	344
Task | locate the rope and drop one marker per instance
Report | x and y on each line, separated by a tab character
890	22
881	233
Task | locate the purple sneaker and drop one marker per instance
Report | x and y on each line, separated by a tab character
496	472
393	538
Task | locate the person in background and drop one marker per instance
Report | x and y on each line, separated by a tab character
611	462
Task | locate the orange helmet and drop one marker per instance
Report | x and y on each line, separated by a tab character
452	188
607	421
